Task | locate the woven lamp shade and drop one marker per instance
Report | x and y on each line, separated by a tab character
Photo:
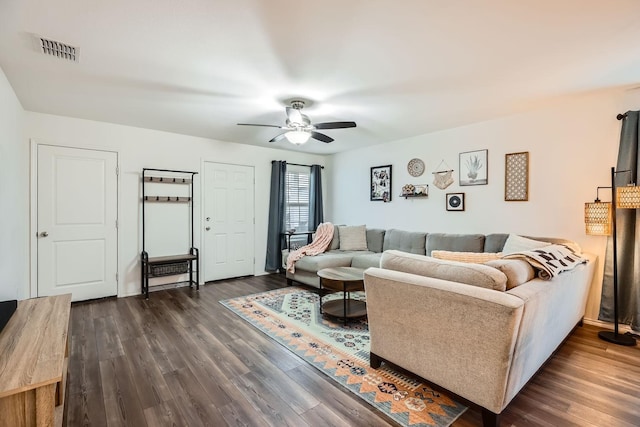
628	197
597	218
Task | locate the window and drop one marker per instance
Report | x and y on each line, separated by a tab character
297	198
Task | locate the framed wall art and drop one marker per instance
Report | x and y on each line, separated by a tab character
516	177
455	201
474	168
381	183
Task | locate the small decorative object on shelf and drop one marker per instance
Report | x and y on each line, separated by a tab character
410	190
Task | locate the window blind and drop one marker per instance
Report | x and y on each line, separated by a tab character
297	198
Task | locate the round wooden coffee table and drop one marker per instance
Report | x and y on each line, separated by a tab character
346	280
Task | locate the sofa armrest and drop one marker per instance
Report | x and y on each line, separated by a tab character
458	336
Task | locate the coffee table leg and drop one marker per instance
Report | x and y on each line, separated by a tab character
320	293
344	303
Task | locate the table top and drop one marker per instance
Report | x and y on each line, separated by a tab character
33	344
344	274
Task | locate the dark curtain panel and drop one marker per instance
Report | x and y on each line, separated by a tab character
276	216
316	215
628	223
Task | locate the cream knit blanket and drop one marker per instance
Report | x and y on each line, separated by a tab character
321	241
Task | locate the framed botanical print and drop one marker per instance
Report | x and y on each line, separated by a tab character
474	168
516	177
381	183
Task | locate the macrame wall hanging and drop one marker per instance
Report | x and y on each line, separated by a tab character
443	177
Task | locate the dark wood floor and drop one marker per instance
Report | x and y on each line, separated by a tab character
182	359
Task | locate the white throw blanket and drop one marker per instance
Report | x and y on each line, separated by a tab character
321	241
550	260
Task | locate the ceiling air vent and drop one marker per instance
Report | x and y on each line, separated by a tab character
58	49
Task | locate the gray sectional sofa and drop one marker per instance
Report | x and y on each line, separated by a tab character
378	241
429	317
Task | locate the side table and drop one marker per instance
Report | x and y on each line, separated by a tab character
34	356
345	280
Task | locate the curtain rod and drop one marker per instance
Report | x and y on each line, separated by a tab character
621	116
297	164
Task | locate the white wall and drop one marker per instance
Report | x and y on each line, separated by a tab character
138	148
14	196
572	146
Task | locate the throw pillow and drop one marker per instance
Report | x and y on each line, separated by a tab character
470	274
517	243
353	238
473	257
518	271
335	242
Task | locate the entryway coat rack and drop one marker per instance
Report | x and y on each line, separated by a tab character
173	264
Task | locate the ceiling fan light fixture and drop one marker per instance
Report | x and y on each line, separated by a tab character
297	137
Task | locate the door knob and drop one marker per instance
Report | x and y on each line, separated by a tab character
44	234
207	228
208	218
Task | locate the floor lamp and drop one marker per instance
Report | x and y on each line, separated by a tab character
600	219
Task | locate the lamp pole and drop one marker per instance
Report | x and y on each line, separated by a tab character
615	337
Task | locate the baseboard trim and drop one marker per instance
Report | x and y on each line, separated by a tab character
607	325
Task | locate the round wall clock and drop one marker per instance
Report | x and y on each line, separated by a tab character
415	167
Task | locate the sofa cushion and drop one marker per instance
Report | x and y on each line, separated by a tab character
495	242
327	260
353	238
471	274
517	243
518	271
406	241
335	242
375	239
455	242
473	257
575	247
366	261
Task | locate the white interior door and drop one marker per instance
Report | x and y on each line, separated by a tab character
228	221
76	222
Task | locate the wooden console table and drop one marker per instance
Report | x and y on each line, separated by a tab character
34	355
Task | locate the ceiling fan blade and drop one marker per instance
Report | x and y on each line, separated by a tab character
294	115
321	137
335	125
277	138
253	124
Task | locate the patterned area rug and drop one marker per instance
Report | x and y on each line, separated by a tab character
291	316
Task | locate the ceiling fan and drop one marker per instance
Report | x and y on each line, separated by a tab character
299	128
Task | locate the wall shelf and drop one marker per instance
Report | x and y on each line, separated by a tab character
413	196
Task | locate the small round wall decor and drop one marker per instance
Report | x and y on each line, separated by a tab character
455	201
415	167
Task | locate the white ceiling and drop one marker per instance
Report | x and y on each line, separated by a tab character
397	68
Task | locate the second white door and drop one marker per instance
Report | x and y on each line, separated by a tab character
228	221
